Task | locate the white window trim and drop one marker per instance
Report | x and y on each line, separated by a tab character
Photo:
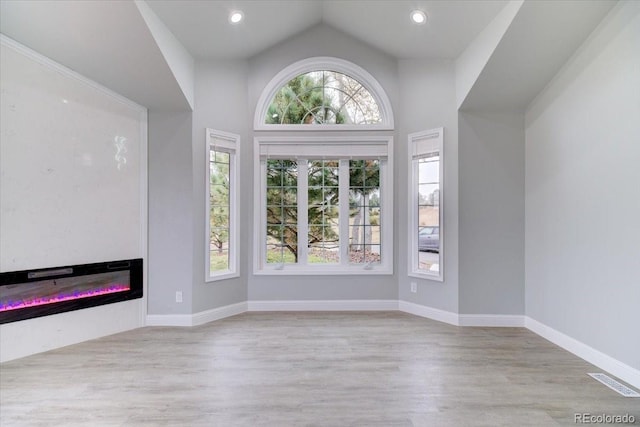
231	143
331	64
413	257
344	268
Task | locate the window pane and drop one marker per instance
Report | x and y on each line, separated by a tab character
219	202
323	97
374	233
429	194
429	170
219	259
428	187
290	215
373	254
323	213
289	196
364	211
274	215
222	157
281	211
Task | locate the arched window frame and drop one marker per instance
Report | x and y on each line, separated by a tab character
328	64
309	142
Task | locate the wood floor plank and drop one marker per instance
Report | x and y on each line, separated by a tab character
307	369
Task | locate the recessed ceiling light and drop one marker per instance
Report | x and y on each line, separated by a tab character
235	16
418	17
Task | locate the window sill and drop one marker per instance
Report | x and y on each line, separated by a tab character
290	270
222	276
427	276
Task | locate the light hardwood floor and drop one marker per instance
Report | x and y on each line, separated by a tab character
307	369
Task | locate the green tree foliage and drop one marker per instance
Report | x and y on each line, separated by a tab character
282	211
323	209
323	201
303	100
364	184
219	200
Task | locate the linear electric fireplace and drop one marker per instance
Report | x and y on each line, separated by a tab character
34	293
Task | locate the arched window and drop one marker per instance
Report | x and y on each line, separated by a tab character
323	97
323	203
323	91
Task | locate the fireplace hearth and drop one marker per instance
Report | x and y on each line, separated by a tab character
34	293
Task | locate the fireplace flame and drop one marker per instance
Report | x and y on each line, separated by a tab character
16	305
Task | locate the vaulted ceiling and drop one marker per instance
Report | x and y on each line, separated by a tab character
115	43
203	28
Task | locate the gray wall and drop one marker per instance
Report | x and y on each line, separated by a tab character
170	213
220	103
491	213
583	193
428	100
319	41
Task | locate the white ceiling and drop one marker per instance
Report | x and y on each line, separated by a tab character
203	27
539	41
109	42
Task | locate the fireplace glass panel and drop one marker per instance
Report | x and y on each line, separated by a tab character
35	293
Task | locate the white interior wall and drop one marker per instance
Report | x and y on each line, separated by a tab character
583	196
220	103
171	213
491	213
62	202
427	101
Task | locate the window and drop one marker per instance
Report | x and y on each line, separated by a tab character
327	93
323	97
222	205
324	205
425	213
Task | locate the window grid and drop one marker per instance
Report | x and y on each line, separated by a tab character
323	97
282	211
364	187
323	184
222	247
319	217
219	215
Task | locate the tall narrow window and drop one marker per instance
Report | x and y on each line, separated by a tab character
222	209
425	214
325	205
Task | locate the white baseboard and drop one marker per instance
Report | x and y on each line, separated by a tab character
168	320
218	313
585	352
197	318
428	312
491	320
324	305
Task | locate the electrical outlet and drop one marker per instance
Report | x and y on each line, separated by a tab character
414	287
178	296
